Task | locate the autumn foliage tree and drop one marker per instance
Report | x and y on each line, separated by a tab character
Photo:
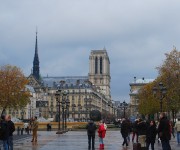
169	73
13	93
148	104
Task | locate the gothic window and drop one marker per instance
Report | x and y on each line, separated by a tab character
101	65
96	65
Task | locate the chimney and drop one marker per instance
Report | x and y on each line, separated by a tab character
134	79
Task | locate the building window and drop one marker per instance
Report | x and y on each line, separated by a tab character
96	65
101	65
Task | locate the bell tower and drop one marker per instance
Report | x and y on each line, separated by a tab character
99	71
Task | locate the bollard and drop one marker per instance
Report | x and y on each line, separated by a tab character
18	130
22	131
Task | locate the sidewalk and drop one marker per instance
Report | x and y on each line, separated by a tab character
77	140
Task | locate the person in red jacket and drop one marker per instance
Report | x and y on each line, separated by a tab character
101	133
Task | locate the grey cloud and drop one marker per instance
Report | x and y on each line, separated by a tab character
135	33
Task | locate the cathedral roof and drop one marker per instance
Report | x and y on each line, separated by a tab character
69	81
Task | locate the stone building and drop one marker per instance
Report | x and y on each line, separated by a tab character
99	71
85	93
135	86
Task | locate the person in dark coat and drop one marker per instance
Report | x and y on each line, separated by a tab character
4	132
91	130
164	132
151	135
135	132
11	129
125	131
142	128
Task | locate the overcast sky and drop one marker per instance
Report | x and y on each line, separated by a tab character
136	34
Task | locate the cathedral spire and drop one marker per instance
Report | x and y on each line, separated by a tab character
36	61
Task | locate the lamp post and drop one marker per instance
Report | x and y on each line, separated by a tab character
79	109
58	93
162	91
66	113
73	111
123	106
63	107
22	114
86	101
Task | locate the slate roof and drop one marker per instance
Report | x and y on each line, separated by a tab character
70	82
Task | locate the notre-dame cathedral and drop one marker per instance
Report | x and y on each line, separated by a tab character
85	93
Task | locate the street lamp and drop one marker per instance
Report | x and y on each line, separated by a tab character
67	102
80	111
162	91
22	114
73	111
123	106
58	93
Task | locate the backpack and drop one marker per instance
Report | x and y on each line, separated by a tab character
91	128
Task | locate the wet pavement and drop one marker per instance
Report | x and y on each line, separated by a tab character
77	140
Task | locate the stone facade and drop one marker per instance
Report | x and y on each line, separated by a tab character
99	71
85	93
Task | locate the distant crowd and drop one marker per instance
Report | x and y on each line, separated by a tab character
144	133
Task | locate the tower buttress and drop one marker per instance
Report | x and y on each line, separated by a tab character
99	71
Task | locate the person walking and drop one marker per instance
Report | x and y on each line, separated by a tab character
91	130
11	129
164	132
125	131
177	128
34	129
142	128
101	134
151	135
134	130
4	132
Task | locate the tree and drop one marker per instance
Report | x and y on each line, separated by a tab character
13	92
148	104
169	73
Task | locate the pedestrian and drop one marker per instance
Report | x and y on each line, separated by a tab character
142	128
130	129
26	127
34	129
124	131
11	129
172	127
159	140
101	134
91	130
134	131
4	132
164	132
30	124
151	135
177	128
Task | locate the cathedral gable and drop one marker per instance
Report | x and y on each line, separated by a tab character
33	81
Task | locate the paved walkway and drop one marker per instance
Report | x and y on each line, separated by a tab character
76	140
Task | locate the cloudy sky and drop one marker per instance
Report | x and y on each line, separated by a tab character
136	34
